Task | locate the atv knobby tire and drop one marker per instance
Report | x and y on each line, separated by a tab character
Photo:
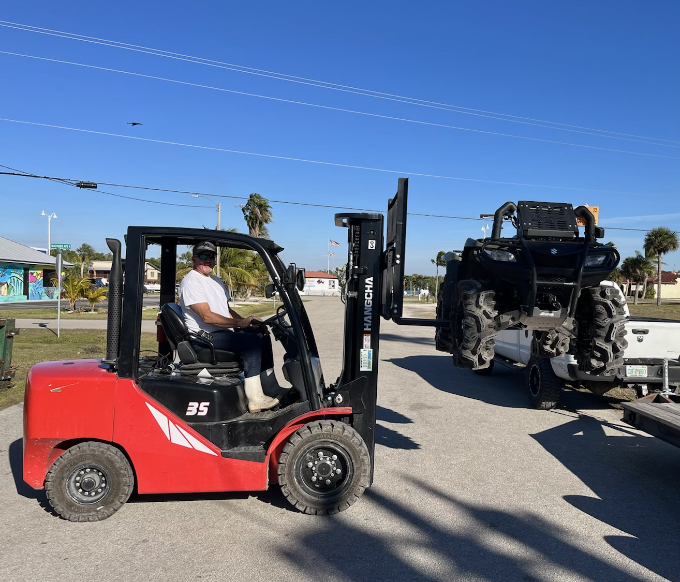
543	385
324	467
473	326
89	482
442	336
600	318
552	343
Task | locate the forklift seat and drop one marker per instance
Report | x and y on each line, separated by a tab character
195	349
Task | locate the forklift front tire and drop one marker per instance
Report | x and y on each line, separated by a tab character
89	482
324	467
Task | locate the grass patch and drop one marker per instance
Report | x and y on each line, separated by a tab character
664	311
32	346
261	310
47	313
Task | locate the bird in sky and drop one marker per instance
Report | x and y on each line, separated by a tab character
133	123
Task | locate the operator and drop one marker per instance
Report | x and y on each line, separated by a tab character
205	302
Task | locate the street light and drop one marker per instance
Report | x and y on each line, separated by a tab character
49	238
219	217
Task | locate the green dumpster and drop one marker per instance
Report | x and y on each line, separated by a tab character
7	333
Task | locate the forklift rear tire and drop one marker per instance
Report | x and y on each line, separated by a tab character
473	325
324	467
89	482
544	386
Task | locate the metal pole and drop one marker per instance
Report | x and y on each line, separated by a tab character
49	237
219	217
59	266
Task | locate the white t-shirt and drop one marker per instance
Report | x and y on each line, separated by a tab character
197	288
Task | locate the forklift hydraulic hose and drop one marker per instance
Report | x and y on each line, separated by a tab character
115	303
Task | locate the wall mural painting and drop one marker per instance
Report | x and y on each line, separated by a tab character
11	281
12	284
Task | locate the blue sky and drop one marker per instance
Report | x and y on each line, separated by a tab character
591	66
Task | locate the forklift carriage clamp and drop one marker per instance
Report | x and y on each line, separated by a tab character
94	430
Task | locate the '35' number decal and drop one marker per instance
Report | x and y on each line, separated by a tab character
197	409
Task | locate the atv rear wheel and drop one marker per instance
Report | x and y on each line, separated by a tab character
473	326
600	317
551	343
89	482
442	336
324	467
543	385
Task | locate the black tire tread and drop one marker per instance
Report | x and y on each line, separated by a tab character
329	428
550	384
601	330
66	507
473	326
552	343
442	337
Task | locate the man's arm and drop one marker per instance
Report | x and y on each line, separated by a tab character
203	311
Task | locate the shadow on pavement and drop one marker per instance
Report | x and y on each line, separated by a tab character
479	551
16	462
636	480
393	337
504	387
391	416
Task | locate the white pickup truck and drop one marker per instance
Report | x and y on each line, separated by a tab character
650	342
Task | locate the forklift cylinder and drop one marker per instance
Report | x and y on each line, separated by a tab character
115	303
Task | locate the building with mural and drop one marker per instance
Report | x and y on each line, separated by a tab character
25	274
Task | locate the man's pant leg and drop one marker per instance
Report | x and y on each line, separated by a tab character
249	345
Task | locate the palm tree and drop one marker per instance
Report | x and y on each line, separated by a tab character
258	213
658	242
438	262
629	271
85	255
94	295
74	288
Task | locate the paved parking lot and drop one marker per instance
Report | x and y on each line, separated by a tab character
469	485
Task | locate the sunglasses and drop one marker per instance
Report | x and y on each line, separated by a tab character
206	256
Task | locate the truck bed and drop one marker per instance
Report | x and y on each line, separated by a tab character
658	415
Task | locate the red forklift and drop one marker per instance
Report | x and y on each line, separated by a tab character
177	421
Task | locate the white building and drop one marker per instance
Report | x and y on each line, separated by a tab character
320	283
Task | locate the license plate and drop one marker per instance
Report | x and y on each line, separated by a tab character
636	371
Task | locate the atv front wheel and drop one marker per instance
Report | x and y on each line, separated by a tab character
600	317
324	467
544	387
473	327
89	482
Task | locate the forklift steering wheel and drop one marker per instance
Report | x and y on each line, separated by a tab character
277	320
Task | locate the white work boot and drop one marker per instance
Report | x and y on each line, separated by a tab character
270	385
257	401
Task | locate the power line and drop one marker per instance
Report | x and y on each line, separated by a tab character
337	86
323	163
73	182
340	109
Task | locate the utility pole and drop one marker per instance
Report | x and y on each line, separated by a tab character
219	223
49	233
219	219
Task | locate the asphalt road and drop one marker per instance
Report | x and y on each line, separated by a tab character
469	485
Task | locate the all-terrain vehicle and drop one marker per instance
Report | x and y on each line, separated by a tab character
545	278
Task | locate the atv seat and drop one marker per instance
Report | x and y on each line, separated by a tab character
195	349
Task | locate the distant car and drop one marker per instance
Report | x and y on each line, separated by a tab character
152	288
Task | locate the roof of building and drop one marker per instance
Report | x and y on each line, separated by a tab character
14	252
319	275
667	277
